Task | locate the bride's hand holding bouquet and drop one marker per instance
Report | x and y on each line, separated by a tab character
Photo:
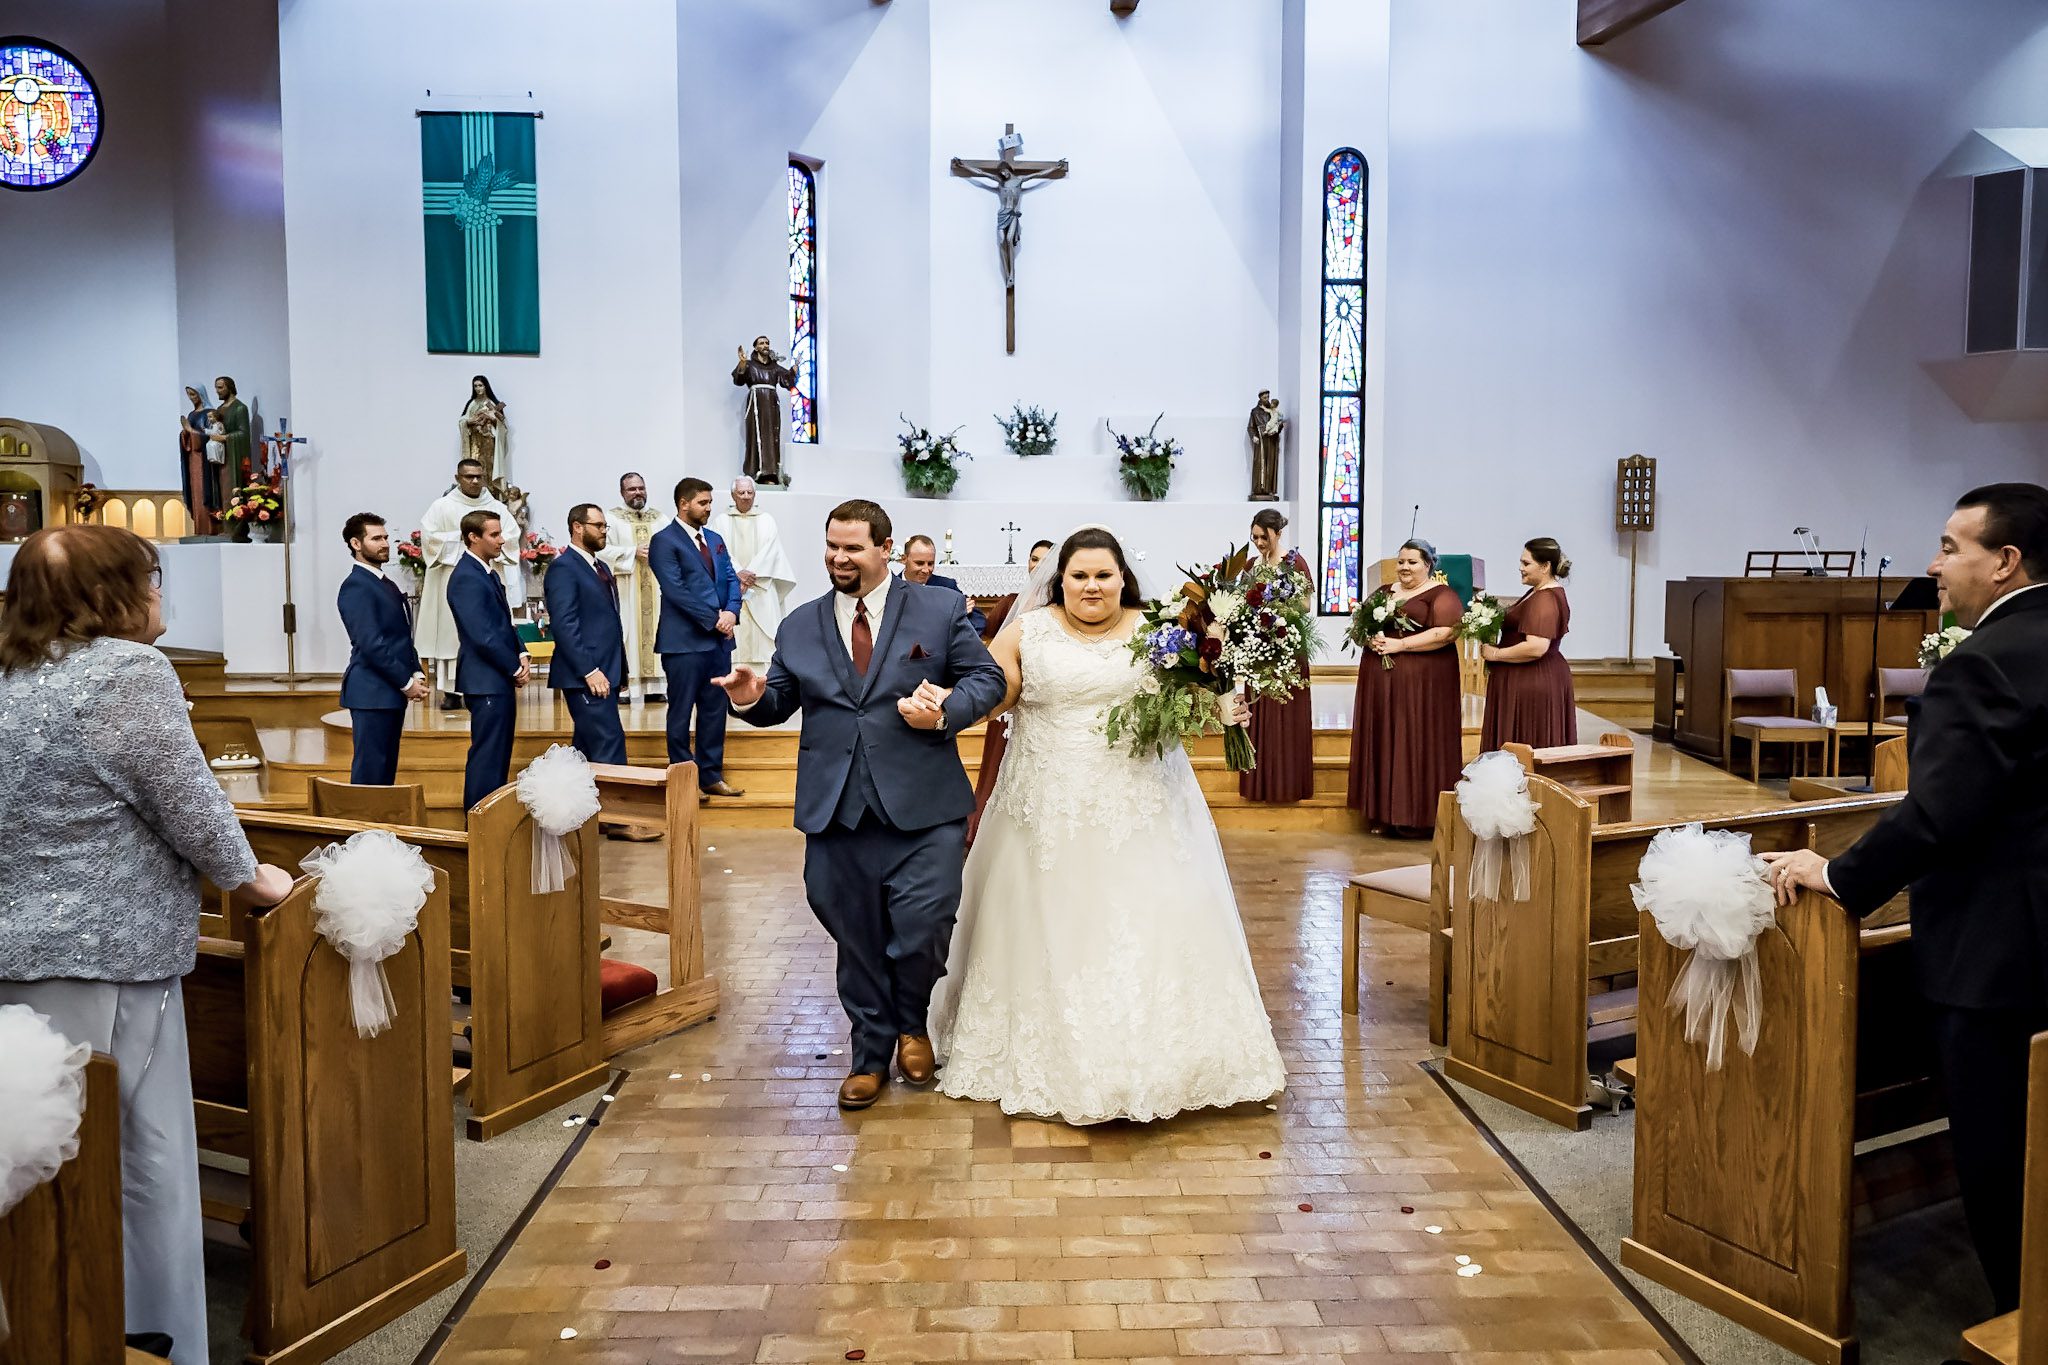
1237	626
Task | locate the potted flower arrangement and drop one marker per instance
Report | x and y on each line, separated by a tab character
412	557
536	551
931	464
1029	431
1146	462
257	508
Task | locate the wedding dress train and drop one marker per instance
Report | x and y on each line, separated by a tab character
1098	969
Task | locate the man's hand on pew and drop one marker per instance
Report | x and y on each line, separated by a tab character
1800	870
270	885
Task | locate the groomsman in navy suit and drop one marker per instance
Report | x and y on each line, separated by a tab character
383	668
700	609
589	666
492	664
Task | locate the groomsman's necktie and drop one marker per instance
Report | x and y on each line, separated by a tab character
611	586
704	549
863	639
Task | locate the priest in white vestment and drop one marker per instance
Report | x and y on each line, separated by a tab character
632	526
441	547
766	578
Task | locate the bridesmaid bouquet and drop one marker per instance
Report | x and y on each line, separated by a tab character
1483	620
1238	625
1378	614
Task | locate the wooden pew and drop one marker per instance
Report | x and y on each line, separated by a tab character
1522	972
665	800
2021	1338
350	1195
529	961
403	804
60	1247
1743	1175
1602	773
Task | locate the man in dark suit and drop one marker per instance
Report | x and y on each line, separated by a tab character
383	671
493	664
700	609
920	561
870	665
589	666
1971	840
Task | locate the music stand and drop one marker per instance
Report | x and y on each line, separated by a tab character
1919	595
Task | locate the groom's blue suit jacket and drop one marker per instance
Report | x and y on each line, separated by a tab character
916	773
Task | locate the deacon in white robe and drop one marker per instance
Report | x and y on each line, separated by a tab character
441	546
766	578
625	553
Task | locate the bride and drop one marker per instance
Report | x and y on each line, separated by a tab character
1098	969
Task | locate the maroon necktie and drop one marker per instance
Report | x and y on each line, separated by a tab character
704	549
604	576
863	639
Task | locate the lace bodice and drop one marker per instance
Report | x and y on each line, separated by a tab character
1060	774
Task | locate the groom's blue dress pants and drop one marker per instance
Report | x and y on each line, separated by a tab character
888	897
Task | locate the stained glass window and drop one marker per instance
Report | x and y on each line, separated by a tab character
1343	378
803	301
49	115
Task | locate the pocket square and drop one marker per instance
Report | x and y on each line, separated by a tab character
919	652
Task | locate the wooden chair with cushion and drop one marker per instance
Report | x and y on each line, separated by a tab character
1894	685
1394	895
1775	694
2021	1338
403	804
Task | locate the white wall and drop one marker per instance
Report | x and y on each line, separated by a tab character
381	413
1716	243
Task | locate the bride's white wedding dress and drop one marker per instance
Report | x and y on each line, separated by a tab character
1098	968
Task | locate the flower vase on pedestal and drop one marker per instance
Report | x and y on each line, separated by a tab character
259	532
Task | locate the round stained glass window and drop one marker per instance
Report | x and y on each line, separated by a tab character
49	115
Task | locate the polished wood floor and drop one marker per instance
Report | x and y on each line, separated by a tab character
724	1209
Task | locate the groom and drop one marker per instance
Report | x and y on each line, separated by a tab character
886	674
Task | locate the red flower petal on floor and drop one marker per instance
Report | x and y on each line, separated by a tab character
1306	1208
1407	1208
602	1265
1265	1156
856	1354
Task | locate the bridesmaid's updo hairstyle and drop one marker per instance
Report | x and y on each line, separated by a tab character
1269	519
1546	551
1095	538
1423	548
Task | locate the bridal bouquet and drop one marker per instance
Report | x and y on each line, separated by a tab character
1483	620
1238	625
1378	614
1029	431
1938	646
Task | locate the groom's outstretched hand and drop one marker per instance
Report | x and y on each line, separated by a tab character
743	686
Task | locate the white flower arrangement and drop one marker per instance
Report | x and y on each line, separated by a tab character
1029	431
1146	462
931	464
1938	646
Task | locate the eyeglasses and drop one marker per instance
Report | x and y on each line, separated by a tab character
156	577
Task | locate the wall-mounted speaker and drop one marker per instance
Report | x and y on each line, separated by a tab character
2008	304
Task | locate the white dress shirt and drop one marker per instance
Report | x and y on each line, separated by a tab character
843	605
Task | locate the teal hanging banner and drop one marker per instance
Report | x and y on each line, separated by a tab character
483	259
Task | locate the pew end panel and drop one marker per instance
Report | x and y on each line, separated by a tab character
1519	968
537	1039
60	1247
664	799
2021	1337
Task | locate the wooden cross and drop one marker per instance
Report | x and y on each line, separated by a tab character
1009	178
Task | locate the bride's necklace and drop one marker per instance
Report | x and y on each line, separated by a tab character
1107	626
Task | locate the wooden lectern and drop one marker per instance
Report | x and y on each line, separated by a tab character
1818	627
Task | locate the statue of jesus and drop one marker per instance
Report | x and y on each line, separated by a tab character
1009	182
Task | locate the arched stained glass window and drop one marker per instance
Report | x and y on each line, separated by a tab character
803	301
1341	459
49	115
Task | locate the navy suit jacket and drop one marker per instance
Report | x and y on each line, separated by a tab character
483	624
381	657
917	773
585	620
974	616
691	595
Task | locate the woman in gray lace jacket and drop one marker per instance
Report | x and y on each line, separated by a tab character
109	817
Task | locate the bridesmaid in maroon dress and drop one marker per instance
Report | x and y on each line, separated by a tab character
1528	683
1406	730
1283	731
995	732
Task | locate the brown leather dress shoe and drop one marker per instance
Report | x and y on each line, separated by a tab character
914	1058
724	789
861	1089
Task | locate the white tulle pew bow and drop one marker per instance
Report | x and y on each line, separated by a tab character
1708	894
561	795
1494	801
366	902
42	1093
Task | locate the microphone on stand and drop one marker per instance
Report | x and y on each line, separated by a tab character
1869	783
1863	554
1414	517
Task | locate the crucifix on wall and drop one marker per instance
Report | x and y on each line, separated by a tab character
1009	178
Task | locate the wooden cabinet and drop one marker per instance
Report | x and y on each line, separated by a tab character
1818	627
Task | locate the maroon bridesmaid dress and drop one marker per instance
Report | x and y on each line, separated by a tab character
1283	733
1532	703
1406	728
